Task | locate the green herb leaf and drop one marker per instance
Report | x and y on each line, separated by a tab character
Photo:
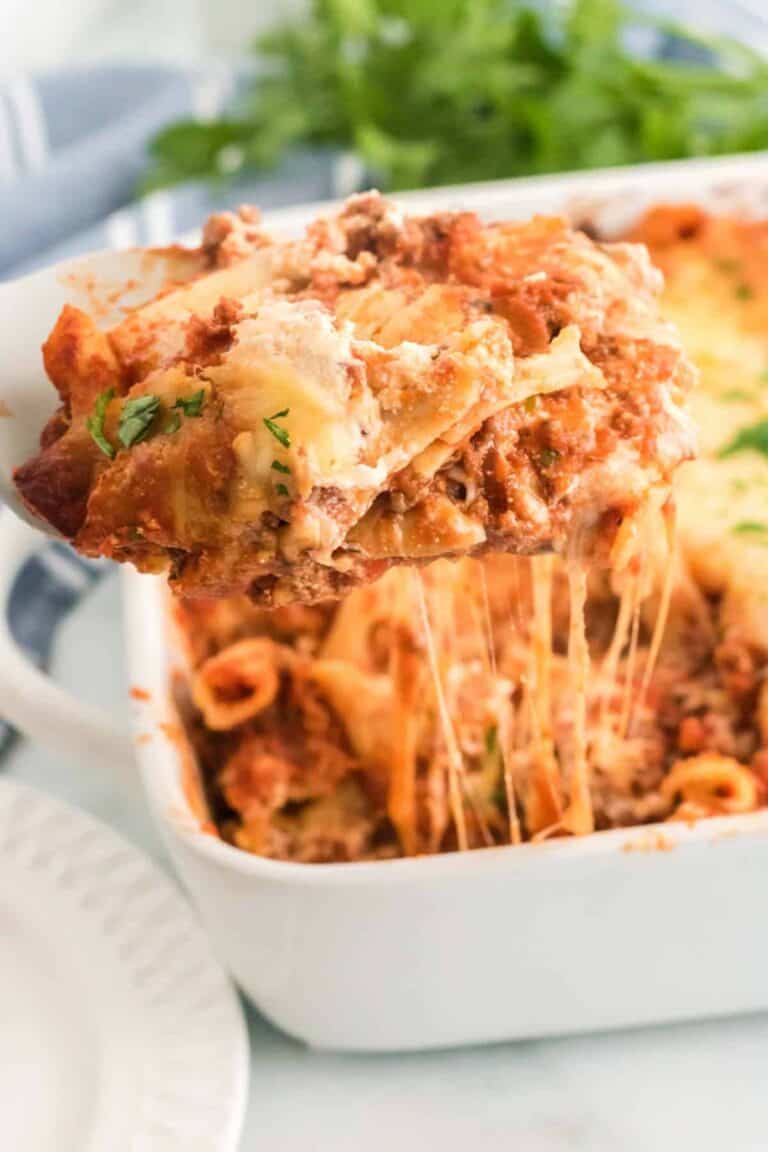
430	93
744	292
95	422
727	265
548	457
491	740
280	434
278	467
189	149
754	438
136	419
750	528
282	490
172	424
191	405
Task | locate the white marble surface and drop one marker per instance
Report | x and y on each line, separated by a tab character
696	1087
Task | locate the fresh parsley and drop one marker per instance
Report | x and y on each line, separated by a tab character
750	528
282	490
191	405
491	740
754	438
278	467
95	422
280	434
436	93
736	395
136	419
548	457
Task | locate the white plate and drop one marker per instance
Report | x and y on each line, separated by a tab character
118	1030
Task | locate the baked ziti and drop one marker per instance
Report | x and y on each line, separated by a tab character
460	707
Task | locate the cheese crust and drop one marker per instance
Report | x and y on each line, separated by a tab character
385	390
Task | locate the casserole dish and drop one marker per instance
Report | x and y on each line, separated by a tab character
621	927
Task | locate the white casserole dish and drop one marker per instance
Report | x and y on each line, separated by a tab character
624	927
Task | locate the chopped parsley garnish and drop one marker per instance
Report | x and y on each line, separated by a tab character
280	434
278	466
136	419
750	528
191	405
754	437
727	265
548	456
95	422
744	292
491	740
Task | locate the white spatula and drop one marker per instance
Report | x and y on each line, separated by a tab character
104	284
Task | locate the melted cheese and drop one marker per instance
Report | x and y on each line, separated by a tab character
723	502
543	803
578	816
405	674
662	614
609	668
312	408
291	358
455	764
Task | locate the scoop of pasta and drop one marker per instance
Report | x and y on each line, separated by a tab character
388	389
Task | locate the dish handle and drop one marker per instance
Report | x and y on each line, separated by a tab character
29	699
